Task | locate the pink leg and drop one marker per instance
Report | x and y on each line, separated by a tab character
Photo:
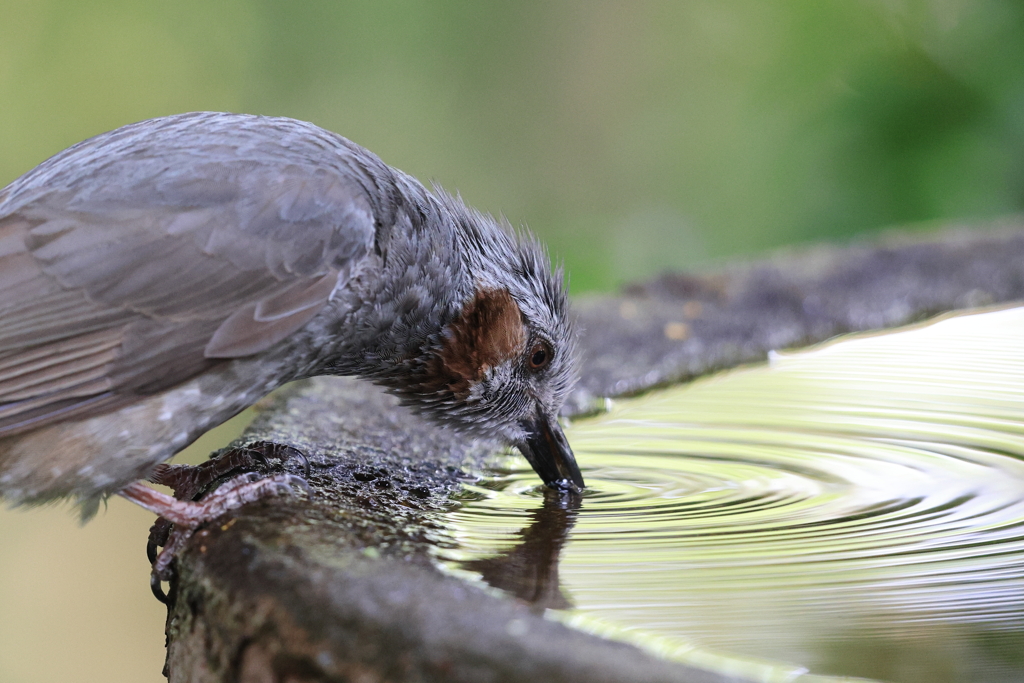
187	515
232	495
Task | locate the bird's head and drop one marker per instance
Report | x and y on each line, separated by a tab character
506	362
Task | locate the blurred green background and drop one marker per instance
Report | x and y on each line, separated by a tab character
631	136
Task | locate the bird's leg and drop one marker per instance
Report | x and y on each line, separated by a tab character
187	481
186	514
243	489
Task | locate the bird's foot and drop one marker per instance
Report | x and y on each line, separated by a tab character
187	481
187	515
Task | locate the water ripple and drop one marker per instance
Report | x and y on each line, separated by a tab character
851	499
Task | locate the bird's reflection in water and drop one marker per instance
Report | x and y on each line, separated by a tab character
529	570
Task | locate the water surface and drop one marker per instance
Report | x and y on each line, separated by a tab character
856	509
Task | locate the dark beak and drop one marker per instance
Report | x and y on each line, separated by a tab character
548	451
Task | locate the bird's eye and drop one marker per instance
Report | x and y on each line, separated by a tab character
540	356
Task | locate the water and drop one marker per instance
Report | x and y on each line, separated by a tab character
855	510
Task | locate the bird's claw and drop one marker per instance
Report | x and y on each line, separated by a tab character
187	516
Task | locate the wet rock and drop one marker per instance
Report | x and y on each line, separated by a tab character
680	326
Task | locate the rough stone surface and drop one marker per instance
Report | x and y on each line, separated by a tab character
339	585
680	326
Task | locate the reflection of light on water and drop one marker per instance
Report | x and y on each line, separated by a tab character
838	504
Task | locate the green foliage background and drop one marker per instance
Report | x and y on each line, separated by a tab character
632	136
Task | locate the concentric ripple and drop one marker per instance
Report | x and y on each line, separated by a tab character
856	509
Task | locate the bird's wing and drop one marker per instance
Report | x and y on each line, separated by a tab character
129	263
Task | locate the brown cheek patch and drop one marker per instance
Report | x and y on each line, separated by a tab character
488	332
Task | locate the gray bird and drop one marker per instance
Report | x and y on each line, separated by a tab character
158	279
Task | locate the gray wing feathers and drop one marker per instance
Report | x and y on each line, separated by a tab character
259	325
131	260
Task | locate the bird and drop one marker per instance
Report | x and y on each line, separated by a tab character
160	278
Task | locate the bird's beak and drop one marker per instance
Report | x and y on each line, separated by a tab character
547	449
